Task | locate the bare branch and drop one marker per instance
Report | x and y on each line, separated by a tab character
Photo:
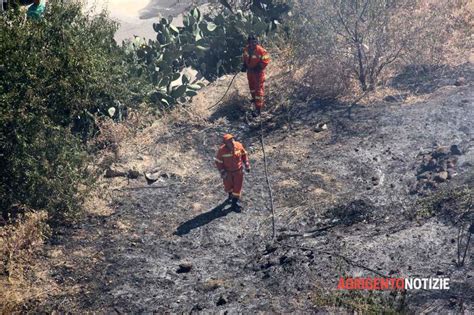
341	19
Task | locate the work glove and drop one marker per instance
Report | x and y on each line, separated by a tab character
247	168
243	69
223	174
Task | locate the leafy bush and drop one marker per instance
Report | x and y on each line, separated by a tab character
55	74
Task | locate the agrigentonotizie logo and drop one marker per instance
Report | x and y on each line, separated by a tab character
393	284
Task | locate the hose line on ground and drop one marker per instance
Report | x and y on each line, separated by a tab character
228	88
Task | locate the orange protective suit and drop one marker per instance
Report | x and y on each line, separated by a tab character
231	162
256	61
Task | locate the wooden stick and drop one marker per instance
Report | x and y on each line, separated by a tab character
268	181
467	247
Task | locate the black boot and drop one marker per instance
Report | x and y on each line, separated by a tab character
256	112
229	198
236	205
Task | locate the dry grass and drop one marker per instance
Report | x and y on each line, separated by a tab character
19	243
323	79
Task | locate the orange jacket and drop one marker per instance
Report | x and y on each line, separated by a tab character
257	59
231	160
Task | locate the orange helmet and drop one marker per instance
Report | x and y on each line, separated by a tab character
227	136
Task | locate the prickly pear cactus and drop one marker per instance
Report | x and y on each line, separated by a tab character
211	44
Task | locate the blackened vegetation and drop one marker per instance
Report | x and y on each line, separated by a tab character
333	224
353	212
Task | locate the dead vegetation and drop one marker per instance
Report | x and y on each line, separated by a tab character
343	48
20	243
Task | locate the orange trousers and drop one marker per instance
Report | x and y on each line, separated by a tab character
256	80
233	183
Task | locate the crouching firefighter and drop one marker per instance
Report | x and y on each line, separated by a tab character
255	59
230	161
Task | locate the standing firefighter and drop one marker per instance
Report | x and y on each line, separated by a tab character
255	59
230	160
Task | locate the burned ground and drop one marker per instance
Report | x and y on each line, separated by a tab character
343	208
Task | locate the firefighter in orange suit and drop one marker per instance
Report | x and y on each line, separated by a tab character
255	59
230	161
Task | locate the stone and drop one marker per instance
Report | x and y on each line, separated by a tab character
321	127
197	307
451	173
221	301
133	174
440	151
426	158
450	163
431	184
110	173
455	150
391	99
433	163
151	178
441	176
424	175
184	267
460	81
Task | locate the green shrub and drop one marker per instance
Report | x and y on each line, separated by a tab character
55	73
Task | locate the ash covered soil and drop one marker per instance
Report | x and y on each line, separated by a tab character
382	192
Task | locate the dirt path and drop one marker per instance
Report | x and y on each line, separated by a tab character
353	179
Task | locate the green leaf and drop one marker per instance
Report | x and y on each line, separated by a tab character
174	29
197	36
185	78
111	111
194	86
196	14
175	76
165	102
192	20
191	93
211	26
178	91
202	48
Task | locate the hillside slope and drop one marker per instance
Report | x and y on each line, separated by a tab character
352	189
